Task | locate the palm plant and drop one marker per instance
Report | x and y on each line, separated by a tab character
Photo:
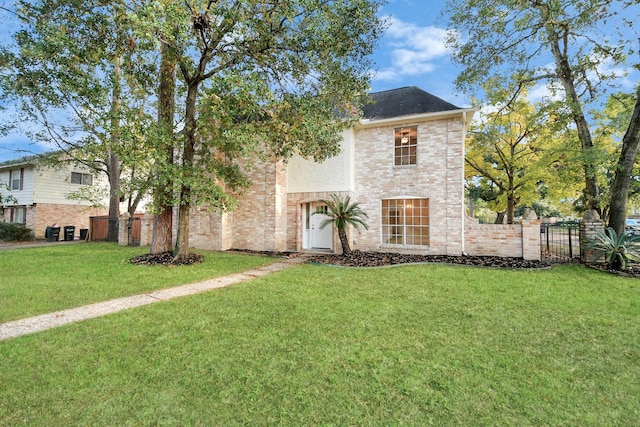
617	250
343	213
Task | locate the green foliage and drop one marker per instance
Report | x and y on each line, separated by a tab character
586	42
15	232
509	152
618	249
342	214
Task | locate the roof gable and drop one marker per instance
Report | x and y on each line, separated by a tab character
405	101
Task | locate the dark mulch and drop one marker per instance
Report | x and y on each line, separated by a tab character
166	259
379	259
633	270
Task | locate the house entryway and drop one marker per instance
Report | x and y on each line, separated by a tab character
313	237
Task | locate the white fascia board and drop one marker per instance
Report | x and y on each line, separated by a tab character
466	113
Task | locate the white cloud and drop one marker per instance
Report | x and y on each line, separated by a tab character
411	50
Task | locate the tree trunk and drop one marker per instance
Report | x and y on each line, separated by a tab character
565	73
622	180
344	241
182	241
113	162
499	218
161	239
511	207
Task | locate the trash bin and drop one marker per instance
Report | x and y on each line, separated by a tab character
83	233
52	234
68	232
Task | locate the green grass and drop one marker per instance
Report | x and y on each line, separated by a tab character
314	345
41	280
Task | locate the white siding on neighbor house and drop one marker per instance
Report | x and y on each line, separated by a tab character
332	175
52	185
24	196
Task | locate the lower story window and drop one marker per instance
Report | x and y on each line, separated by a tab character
18	215
405	222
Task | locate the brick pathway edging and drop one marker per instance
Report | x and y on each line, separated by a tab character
43	322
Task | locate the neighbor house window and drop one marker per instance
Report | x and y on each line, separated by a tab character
16	179
81	178
18	215
405	222
406	146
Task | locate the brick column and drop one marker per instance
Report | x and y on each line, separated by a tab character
531	236
589	226
123	229
531	239
146	229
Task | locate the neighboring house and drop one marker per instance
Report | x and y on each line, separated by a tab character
34	194
404	164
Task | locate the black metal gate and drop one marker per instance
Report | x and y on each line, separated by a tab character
560	241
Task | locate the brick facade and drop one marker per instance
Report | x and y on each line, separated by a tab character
438	175
41	215
268	218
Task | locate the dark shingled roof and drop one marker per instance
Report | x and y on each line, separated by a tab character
404	101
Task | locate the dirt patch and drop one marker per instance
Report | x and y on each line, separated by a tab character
166	259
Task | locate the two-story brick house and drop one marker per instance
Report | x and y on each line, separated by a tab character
404	164
35	194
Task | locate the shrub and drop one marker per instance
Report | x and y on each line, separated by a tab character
617	250
15	232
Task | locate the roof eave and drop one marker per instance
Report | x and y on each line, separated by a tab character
466	113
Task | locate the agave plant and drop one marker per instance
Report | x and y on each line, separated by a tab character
617	250
343	213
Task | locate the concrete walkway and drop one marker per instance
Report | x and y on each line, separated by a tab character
43	322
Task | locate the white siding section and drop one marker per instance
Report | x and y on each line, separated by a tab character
52	185
334	174
24	196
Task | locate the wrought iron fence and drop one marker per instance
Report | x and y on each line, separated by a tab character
560	241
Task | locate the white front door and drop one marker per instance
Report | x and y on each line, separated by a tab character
320	238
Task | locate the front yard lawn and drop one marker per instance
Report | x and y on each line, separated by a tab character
41	280
316	345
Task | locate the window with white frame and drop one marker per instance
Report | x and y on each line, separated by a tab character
16	179
406	146
405	222
81	178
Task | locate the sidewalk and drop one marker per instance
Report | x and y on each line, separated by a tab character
43	322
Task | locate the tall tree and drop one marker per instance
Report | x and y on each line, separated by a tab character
584	41
508	150
74	71
278	77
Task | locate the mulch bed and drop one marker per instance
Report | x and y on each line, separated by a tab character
381	259
632	271
166	259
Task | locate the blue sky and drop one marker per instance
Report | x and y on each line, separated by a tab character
411	53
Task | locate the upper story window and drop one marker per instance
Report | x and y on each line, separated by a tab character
16	179
81	178
406	146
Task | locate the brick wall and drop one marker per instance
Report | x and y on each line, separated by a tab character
503	240
41	215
